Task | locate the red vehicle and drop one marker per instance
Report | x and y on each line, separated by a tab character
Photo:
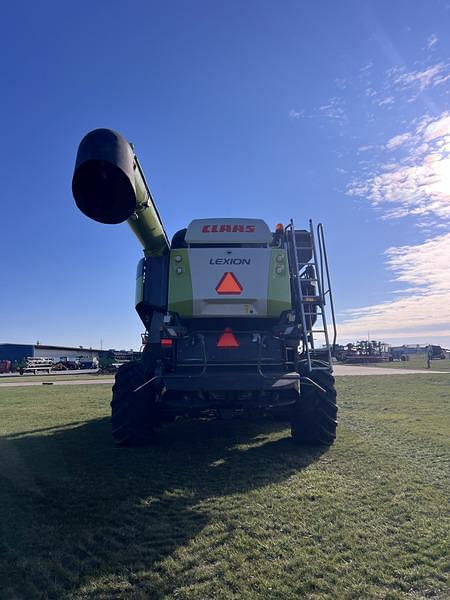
5	366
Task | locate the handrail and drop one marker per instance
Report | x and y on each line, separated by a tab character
294	269
320	289
324	261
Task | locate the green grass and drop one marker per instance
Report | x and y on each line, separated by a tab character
226	509
416	361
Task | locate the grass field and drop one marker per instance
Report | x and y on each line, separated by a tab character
226	509
418	361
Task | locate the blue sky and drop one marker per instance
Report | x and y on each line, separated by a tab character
335	111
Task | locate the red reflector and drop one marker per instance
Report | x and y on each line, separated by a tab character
227	340
166	342
229	284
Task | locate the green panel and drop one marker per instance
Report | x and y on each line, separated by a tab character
180	284
145	221
139	297
139	291
279	289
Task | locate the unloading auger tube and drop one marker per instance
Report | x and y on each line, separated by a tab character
109	186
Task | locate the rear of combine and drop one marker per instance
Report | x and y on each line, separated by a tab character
233	311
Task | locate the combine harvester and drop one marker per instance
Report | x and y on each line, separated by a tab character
233	312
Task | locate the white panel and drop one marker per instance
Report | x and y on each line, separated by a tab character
251	268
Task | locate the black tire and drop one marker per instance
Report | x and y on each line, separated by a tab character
134	415
314	415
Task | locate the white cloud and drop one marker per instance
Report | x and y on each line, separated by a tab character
341	82
367	67
409	176
385	101
432	40
433	75
296	114
424	309
418	184
370	92
437	129
398	140
334	109
442	79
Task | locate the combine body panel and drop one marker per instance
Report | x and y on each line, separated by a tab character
220	282
228	269
235	314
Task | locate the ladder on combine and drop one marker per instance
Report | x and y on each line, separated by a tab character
311	288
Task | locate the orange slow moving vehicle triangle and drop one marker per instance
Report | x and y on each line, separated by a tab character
227	340
229	284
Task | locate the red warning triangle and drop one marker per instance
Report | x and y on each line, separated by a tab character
229	284
227	340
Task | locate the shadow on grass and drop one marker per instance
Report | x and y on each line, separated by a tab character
74	508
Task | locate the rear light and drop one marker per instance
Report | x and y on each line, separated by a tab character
166	343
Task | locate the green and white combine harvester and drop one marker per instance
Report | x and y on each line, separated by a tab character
235	314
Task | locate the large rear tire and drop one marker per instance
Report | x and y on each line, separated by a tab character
314	415
134	415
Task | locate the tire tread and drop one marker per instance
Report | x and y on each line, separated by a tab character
314	418
133	415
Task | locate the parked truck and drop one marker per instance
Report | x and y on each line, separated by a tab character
436	352
235	313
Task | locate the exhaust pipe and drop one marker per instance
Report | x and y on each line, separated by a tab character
109	186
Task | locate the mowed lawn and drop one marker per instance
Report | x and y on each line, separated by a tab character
226	509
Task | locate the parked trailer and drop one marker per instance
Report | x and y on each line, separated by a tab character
37	365
364	352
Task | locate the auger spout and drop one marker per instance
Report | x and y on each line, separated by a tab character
109	187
